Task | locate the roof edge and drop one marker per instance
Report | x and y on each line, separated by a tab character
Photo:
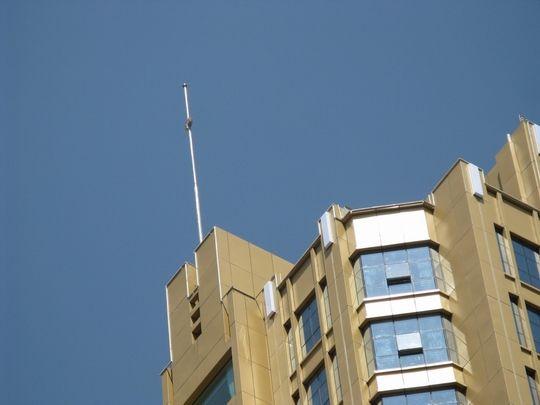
388	207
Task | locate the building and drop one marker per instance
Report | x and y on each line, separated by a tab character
434	301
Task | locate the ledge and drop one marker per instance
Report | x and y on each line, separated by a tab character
312	362
292	375
511	199
410	378
402	295
530	287
525	349
389	306
401	245
309	354
388	208
330	331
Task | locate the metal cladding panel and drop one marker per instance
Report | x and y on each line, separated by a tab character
390	229
269	299
476	180
536	130
327	230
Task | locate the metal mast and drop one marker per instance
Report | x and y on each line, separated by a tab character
187	127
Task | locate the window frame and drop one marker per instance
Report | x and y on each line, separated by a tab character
336	377
534	310
312	306
533	385
382	345
410	281
504	250
524	274
225	374
403	398
316	377
326	305
518	320
291	344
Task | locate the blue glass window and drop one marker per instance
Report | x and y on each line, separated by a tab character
534	321
308	323
220	390
409	342
527	261
503	250
439	397
531	379
514	303
317	389
397	271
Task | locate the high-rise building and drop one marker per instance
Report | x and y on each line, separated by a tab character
426	302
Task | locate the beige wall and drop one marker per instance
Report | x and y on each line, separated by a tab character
495	371
516	171
226	307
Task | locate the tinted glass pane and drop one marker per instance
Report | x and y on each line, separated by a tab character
527	262
220	390
337	380
385	346
439	397
433	339
400	288
534	320
435	355
418	254
424	284
382	329
443	397
385	362
372	259
317	389
529	253
375	281
309	324
395	400
430	322
534	280
521	263
503	251
421	270
395	256
409	325
408	360
517	320
532	387
420	398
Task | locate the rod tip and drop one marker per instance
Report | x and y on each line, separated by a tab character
184	85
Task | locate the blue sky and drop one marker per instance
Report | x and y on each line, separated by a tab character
296	105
